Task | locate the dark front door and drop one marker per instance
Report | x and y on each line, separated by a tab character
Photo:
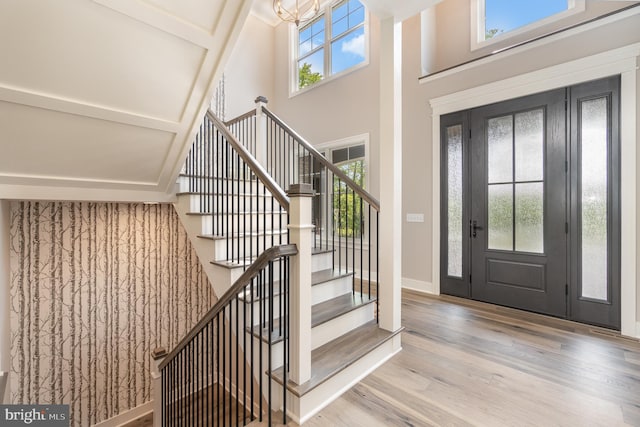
531	203
518	203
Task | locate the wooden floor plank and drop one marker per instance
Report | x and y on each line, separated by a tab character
469	363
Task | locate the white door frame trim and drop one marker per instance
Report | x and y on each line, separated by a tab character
623	61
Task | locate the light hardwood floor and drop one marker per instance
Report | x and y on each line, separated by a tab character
469	363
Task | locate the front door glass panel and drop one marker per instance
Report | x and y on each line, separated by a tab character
515	179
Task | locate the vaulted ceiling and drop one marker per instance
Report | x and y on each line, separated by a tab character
99	99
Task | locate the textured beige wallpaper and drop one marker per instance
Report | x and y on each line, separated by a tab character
94	289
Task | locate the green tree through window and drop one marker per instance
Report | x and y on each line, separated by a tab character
347	205
306	77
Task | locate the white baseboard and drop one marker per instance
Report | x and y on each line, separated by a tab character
127	416
419	286
638	330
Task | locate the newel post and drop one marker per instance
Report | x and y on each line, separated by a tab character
261	131
158	356
300	234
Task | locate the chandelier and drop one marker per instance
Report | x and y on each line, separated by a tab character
296	13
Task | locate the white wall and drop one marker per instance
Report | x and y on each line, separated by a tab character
337	109
250	70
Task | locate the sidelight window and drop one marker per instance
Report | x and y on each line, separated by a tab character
594	196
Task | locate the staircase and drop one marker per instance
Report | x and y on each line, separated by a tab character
307	329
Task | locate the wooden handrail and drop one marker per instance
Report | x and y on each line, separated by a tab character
372	201
240	118
260	263
255	167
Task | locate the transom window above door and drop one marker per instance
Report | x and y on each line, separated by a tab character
495	20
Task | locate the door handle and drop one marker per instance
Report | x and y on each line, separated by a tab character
474	227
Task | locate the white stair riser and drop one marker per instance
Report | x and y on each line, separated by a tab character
319	293
255	307
321	261
239	223
276	355
339	326
223	186
248	247
242	202
331	289
276	362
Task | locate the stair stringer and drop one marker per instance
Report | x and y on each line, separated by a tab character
221	278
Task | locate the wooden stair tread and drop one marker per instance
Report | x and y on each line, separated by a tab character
251	234
318	251
327	275
317	278
330	309
219	178
321	313
208	193
245	262
282	212
337	355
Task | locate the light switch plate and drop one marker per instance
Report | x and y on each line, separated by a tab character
415	217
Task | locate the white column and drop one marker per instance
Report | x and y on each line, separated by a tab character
390	239
428	40
261	131
300	234
5	274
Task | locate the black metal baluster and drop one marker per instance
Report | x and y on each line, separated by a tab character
237	202
207	357
246	231
353	236
285	343
252	293
182	413
196	380
260	329
237	316
339	225
244	348
190	397
270	337
206	137
219	376
377	267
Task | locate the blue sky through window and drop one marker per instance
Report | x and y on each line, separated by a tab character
344	41
347	51
507	15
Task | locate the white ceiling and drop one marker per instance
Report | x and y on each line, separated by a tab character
399	9
100	99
